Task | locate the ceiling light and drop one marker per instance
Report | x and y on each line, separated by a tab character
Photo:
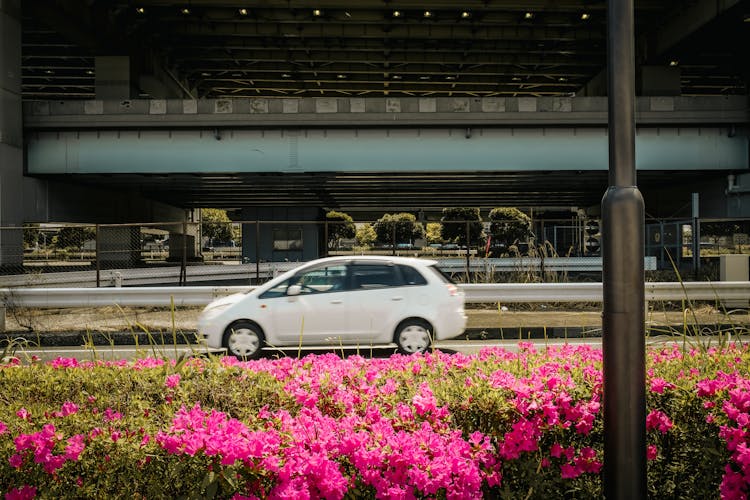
341	76
396	77
89	71
528	15
585	16
185	11
49	72
427	14
286	75
674	62
205	74
465	14
243	12
140	10
317	12
450	77
516	79
396	13
562	79
424	77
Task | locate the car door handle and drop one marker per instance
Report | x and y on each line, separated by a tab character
337	301
396	299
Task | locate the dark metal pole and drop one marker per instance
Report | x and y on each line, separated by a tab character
468	262
257	252
97	249
696	243
623	316
325	239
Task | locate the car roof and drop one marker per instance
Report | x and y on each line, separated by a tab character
372	258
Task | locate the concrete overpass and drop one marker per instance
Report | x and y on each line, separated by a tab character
113	112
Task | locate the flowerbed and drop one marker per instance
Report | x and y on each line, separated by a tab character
493	425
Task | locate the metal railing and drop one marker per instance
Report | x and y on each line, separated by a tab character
475	293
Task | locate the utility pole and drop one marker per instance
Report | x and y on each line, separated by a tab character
623	315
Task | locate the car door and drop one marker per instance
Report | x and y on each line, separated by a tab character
318	314
380	301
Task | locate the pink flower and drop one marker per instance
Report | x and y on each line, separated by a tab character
111	415
658	420
69	408
16	461
172	380
3	428
75	447
652	452
22	493
23	414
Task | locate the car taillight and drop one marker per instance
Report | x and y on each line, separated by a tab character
452	289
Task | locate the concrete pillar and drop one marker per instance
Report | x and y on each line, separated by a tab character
11	134
119	246
112	77
280	242
734	268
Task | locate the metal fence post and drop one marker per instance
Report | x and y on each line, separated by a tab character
257	252
183	264
96	256
393	238
468	261
325	238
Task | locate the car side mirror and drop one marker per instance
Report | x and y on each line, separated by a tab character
293	290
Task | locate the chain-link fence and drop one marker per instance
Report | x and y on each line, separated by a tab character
249	252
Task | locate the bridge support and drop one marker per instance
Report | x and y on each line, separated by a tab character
11	134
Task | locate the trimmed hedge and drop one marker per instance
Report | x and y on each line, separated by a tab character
492	425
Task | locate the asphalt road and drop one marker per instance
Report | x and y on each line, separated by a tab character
464	346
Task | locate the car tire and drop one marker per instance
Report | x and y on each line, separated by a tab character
413	336
244	340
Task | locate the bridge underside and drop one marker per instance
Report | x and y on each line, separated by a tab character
397	191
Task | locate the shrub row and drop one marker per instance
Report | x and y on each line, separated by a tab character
494	425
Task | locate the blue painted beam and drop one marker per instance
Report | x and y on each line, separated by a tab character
376	150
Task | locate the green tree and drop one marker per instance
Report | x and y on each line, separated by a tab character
366	235
434	232
509	226
454	222
73	236
340	226
406	226
216	225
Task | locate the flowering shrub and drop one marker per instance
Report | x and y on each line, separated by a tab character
496	424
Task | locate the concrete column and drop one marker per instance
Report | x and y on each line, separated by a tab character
119	246
11	134
112	77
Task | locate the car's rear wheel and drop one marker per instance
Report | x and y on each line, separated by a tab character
413	336
244	339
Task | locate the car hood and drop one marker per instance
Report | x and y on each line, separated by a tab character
226	301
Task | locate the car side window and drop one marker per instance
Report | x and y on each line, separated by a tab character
277	291
322	279
411	276
369	276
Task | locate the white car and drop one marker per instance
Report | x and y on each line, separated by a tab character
353	301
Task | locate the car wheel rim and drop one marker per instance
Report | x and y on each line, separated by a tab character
243	342
414	338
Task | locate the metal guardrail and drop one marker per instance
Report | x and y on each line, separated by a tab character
210	272
475	293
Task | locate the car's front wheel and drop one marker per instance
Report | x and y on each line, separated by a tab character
413	336
244	340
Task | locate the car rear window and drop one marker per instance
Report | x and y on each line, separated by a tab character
411	276
445	278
